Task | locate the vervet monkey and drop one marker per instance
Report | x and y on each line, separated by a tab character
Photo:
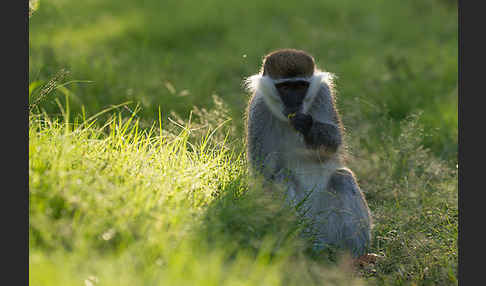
294	137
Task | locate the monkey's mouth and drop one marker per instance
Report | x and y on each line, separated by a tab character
291	111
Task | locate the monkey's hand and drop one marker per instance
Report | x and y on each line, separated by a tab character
325	135
301	122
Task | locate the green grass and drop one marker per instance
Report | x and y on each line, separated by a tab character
130	197
133	207
150	207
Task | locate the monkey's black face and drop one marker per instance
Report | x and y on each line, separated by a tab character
292	94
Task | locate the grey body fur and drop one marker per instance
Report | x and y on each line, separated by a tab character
309	169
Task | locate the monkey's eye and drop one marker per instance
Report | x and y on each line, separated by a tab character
283	85
292	85
301	84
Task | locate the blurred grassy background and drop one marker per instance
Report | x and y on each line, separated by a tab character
392	58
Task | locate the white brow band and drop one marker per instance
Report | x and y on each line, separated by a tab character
306	79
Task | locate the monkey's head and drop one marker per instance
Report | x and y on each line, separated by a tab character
288	64
291	71
288	81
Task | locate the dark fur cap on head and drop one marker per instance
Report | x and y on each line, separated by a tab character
287	63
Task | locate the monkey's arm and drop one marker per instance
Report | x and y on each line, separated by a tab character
317	134
263	142
320	125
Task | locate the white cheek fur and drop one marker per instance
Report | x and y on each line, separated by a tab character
319	79
271	97
263	86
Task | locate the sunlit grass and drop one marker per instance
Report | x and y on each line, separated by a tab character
126	205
